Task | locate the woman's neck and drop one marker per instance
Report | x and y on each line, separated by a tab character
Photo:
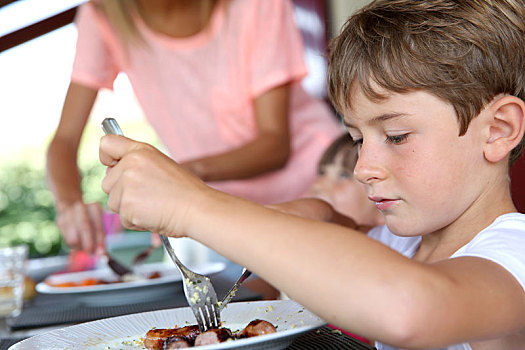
176	18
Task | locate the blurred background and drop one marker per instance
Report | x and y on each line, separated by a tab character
34	76
37	46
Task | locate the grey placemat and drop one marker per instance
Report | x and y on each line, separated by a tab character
327	339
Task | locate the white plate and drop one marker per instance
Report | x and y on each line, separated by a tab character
124	292
126	332
40	268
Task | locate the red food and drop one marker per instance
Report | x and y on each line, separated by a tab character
157	339
176	343
94	281
256	328
178	338
214	336
154	275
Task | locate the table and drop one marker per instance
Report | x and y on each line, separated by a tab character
46	312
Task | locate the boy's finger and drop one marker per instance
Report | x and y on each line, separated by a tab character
113	147
115	198
113	178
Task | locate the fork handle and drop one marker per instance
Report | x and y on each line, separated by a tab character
110	126
173	256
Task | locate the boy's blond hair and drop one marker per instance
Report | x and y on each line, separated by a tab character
465	52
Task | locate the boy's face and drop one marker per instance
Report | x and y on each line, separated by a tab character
416	168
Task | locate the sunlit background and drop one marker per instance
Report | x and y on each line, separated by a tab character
34	77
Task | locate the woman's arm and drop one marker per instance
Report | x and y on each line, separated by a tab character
80	223
268	151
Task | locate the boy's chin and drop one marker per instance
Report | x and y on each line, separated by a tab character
402	228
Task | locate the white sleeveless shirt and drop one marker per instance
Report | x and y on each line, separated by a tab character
502	242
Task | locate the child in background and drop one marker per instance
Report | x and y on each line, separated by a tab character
433	93
219	81
337	185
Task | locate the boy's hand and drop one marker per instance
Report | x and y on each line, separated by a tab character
147	188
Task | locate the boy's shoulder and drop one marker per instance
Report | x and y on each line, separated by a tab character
506	232
502	242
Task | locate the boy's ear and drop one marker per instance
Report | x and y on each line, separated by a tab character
505	128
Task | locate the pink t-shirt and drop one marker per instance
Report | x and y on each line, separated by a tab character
198	92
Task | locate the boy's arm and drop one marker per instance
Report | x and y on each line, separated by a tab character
80	223
338	273
268	151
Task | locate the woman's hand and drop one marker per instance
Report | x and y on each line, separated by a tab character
148	189
81	226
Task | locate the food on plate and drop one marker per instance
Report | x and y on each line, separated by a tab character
189	336
257	327
171	338
98	281
214	336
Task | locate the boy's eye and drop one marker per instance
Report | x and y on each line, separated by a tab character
396	139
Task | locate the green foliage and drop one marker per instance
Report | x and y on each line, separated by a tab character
27	213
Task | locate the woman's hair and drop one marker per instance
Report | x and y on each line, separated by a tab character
465	52
119	13
343	145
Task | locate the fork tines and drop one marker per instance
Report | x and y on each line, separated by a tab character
203	302
208	316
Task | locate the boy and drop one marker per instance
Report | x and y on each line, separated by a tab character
433	92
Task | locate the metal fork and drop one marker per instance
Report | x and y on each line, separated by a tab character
199	292
198	289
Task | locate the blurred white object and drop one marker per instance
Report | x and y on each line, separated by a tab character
191	252
39	269
12	274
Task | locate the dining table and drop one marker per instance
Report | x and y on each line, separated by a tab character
47	312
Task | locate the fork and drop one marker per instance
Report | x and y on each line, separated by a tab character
198	289
199	292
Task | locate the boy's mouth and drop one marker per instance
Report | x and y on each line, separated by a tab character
382	203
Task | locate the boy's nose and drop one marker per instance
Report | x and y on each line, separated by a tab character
368	167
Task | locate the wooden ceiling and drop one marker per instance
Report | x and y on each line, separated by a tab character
35	30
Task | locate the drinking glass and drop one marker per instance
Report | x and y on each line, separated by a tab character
12	276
